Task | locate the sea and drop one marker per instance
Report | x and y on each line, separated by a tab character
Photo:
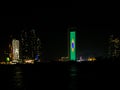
58	76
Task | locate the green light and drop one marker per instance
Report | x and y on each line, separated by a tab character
73	45
7	59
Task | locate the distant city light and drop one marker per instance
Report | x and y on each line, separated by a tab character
29	61
16	51
7	59
91	59
37	57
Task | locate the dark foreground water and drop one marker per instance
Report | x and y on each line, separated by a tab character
57	76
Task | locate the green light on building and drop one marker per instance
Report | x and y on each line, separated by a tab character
73	45
7	59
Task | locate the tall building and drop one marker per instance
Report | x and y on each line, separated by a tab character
72	43
114	46
24	46
15	49
30	45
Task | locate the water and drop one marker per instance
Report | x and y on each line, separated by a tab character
50	76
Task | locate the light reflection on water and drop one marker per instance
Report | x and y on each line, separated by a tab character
73	71
73	78
17	79
32	77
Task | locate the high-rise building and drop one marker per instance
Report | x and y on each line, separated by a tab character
15	49
24	46
72	43
30	45
114	46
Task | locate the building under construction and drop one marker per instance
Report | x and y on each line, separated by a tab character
114	46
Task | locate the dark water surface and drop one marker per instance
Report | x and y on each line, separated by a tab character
55	76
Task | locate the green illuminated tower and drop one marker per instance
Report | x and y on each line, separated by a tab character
72	44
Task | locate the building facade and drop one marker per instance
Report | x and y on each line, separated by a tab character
30	45
15	49
114	46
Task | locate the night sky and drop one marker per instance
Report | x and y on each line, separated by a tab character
93	29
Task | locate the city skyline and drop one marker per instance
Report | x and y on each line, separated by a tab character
84	51
52	24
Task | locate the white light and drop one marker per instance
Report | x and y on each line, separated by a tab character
16	51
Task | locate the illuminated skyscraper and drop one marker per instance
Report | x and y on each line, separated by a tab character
15	49
24	46
30	45
72	44
32	42
114	47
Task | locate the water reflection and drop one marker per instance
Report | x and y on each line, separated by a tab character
29	77
73	78
73	71
18	79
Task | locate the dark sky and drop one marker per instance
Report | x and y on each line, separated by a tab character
93	29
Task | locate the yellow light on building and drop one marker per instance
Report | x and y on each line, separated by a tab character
91	59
